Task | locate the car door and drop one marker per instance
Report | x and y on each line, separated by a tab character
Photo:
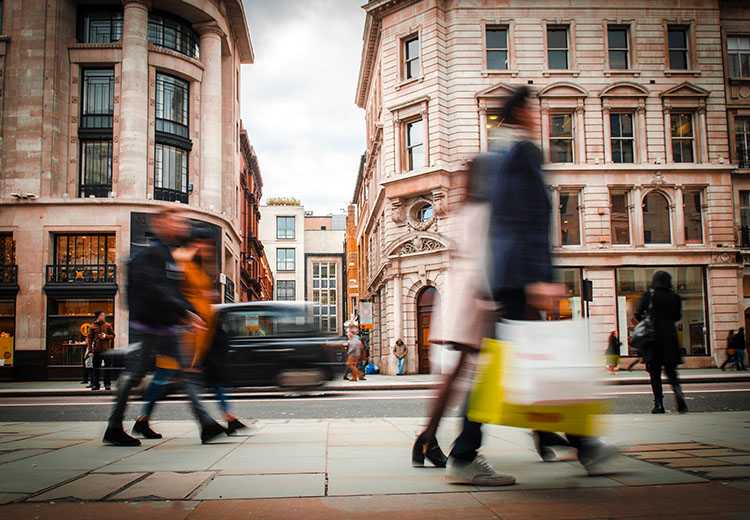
250	332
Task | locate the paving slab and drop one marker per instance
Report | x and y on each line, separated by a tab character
649	455
7	498
737	459
33	480
164	486
44	443
175	455
85	457
632	472
725	472
274	458
90	487
696	462
99	510
662	447
13	455
263	486
715	452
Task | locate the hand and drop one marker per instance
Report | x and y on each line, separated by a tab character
196	321
544	296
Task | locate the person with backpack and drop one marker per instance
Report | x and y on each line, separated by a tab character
664	306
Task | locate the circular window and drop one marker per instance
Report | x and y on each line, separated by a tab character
424	213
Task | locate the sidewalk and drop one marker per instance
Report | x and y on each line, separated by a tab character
697	464
377	382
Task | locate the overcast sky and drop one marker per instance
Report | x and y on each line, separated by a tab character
297	99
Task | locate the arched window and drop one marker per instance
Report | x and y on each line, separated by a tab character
656	220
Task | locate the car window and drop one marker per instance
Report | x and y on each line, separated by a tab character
268	322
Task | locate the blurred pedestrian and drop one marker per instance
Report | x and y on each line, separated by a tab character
400	351
665	308
739	349
730	351
100	340
354	352
159	312
613	352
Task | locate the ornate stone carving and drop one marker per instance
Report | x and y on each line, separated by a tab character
398	211
440	202
724	258
420	245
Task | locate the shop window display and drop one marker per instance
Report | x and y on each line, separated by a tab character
688	282
7	331
570	307
67	327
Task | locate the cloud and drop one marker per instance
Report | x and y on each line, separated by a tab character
297	99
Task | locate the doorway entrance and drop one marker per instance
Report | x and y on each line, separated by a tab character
426	300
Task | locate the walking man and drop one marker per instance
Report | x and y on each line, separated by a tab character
100	339
354	352
159	312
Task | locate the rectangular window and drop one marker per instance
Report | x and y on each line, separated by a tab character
619	217
101	26
414	145
98	94
325	295
170	173
96	168
411	54
688	282
683	140
571	306
496	40
495	136
621	137
738	52
745	218
617	47
561	138
679	57
285	227
286	290
557	47
742	141
172	98
83	258
693	211
285	259
570	218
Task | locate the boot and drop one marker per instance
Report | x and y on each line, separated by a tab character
680	398
235	425
658	406
116	436
141	427
210	431
427	448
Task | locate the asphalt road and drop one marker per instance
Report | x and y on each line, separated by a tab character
349	404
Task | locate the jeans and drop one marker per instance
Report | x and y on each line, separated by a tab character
654	371
100	365
221	395
401	368
739	359
160	384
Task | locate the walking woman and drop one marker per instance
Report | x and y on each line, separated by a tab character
613	352
665	307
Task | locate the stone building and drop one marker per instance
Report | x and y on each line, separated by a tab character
632	111
352	264
282	233
110	110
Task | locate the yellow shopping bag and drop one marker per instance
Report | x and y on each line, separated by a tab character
488	402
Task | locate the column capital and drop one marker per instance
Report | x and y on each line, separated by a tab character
207	28
146	4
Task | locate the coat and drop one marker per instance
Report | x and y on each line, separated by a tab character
96	343
667	310
463	314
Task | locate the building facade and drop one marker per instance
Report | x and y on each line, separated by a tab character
110	111
633	125
256	278
325	270
352	264
282	233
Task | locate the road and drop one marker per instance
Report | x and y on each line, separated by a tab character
344	404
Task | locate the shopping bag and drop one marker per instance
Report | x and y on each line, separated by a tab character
541	376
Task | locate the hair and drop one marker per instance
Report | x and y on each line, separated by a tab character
518	100
97	313
661	280
399	341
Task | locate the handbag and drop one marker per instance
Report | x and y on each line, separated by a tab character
644	333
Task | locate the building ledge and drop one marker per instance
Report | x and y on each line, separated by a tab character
686	167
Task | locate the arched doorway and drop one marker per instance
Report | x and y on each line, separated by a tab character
426	300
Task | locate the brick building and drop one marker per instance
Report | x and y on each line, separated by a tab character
110	110
632	107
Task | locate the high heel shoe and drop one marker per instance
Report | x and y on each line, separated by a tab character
429	449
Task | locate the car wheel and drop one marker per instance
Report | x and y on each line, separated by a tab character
301	378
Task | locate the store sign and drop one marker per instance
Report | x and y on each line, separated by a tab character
365	315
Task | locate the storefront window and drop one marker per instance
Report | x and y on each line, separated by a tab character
67	327
571	306
688	282
7	331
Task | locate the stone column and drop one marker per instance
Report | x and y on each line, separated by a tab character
678	216
667	134
642	139
637	215
702	137
580	135
607	132
133	139
211	112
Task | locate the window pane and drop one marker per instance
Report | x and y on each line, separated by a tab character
745	65
626	151
561	125
656	219
626	125
558	60
618	60
682	125
412	68
497	38
678	60
411	48
617	38
733	43
614	123
497	60
561	151
570	226
734	65
677	38
620	219
415	133
416	157
557	38
693	216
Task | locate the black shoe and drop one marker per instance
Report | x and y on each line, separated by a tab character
108	388
95	388
430	449
546	453
658	407
210	431
116	436
681	404
235	425
141	427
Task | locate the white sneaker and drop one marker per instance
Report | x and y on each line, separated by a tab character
595	462
478	472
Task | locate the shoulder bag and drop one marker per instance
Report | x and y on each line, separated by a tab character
644	333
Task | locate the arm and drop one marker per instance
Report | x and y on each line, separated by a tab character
110	332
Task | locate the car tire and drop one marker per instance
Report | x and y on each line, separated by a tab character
301	378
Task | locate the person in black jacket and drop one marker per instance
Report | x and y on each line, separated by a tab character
738	344
159	312
664	352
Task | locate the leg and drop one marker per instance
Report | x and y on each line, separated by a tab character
222	397
106	372
191	388
674	380
95	361
156	390
468	442
133	374
654	372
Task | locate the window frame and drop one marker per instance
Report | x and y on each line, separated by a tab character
744	206
688	26
331	292
286	262
167	125
487	27
171	194
404	59
670	223
702	203
621	139
627	194
116	24
741	157
679	139
569	66
573	130
290	285
576	194
286	218
408	148
739	52
627	49
186	40
99	120
99	190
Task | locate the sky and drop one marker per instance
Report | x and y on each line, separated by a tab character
297	99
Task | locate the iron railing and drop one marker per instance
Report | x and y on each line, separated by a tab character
170	195
96	190
84	274
171	127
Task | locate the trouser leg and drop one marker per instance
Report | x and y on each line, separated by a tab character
549	439
156	390
671	372
222	397
468	441
95	370
133	374
192	388
654	372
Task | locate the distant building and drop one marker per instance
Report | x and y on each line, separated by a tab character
352	264
282	233
325	272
